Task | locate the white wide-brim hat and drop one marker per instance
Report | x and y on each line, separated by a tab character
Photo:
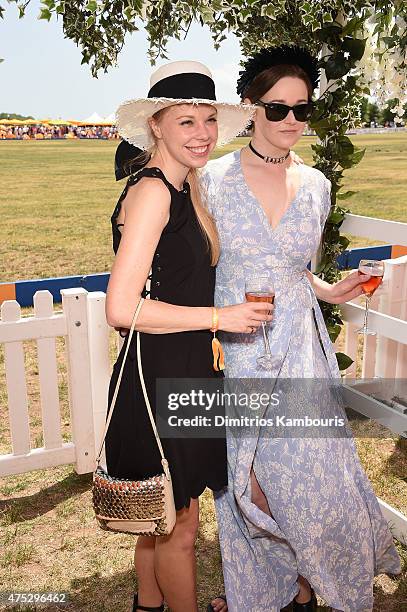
179	83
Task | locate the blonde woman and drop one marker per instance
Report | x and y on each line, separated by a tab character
163	234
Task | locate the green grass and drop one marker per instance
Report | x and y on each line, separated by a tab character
55	204
57	198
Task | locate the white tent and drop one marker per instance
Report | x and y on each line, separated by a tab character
94	118
111	118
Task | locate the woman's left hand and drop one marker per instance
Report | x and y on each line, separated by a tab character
346	289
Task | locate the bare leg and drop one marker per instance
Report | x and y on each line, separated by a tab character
258	498
304	594
175	564
149	593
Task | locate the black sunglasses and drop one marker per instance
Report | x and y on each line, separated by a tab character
277	112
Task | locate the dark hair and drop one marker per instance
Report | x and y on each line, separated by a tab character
266	79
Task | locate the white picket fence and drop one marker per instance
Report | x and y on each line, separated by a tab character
384	359
83	324
385	355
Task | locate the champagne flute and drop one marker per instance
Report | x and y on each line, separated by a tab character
260	289
376	271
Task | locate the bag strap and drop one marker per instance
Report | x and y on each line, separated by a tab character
143	386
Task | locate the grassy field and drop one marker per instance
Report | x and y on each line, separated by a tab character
57	197
56	201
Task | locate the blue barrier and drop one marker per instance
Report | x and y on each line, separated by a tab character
25	290
349	259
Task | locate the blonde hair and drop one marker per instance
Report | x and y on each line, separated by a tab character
205	219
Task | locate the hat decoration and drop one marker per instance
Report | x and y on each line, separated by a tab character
267	58
125	160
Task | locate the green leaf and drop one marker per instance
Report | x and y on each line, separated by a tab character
377	29
358	156
353	26
208	15
352	160
345	145
345	162
389	41
336	66
129	12
346	195
328	31
334	330
324	261
323	127
344	361
49	4
45	14
335	217
355	47
344	242
90	21
92	6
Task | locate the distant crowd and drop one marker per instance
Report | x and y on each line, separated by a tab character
107	132
41	132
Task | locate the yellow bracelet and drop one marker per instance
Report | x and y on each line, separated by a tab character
217	350
215	320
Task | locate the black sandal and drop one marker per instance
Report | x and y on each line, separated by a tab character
136	606
210	607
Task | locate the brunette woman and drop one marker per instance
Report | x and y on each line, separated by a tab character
299	515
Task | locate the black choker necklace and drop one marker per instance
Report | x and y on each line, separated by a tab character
267	159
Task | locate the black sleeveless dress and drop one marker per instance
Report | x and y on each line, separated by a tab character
181	274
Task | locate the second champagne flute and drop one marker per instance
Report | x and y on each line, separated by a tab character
375	269
260	289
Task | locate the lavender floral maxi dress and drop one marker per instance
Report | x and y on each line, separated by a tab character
326	523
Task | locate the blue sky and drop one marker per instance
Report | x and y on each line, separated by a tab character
42	74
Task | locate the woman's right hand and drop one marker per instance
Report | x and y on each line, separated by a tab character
244	318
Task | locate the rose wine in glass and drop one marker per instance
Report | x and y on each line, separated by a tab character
376	271
259	296
261	290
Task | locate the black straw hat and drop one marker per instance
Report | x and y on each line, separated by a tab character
276	56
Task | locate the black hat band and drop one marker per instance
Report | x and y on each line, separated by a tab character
185	86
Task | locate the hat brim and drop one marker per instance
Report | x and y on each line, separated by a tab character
132	116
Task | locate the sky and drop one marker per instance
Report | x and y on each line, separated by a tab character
42	74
